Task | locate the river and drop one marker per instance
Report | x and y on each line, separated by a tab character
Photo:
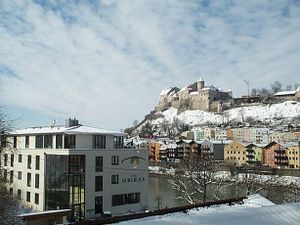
161	195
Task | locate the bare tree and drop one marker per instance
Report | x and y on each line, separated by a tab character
288	87
8	205
199	175
276	87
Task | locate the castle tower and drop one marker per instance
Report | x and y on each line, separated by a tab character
200	84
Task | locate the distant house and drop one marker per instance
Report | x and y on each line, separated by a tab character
276	155
216	148
289	95
255	154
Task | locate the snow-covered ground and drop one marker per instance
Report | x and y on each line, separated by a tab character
288	109
255	210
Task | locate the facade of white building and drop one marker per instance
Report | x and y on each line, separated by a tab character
79	167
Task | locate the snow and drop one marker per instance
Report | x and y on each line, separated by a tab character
286	109
164	92
69	130
255	210
285	93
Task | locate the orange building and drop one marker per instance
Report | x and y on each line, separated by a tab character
276	155
229	134
153	148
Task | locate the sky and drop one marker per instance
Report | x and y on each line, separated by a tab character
105	62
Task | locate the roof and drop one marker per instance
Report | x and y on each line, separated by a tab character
281	93
165	92
79	129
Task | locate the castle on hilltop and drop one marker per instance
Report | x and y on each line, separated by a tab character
196	96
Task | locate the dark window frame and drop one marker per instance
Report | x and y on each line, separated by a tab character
99	164
98	183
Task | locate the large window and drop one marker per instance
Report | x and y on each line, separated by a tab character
37	162
118	142
98	183
11	178
28	179
29	162
19	196
98	205
48	141
20	175
59	141
114	160
26	141
70	141
15	142
12	160
123	199
19	158
28	196
99	163
39	141
115	179
36	198
37	181
5	159
99	141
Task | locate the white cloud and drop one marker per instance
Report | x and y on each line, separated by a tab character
106	63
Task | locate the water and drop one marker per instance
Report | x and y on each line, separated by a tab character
161	195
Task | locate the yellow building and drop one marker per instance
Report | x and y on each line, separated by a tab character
235	151
293	154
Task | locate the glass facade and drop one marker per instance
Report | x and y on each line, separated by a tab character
65	183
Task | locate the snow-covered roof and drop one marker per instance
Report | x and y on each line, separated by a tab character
281	93
255	210
194	93
79	129
165	92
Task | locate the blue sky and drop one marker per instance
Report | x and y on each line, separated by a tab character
105	62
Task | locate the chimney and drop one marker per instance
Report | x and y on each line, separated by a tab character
71	122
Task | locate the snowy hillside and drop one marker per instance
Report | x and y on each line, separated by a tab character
288	109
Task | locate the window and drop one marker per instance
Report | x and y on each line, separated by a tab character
5	175
99	142
11	191
114	160
37	162
115	179
12	160
20	175
5	159
26	141
39	141
70	141
98	183
19	194
29	162
28	196
98	205
59	141
36	198
15	142
19	158
123	199
99	163
118	142
37	181
11	178
48	141
28	179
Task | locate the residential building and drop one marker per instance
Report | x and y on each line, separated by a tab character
153	148
293	154
79	167
236	152
255	154
216	148
279	136
276	155
289	95
221	134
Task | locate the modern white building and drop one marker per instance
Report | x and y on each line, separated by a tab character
79	167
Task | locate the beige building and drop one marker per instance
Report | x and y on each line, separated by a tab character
279	136
79	167
235	152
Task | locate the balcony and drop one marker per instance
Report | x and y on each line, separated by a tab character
279	150
250	156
